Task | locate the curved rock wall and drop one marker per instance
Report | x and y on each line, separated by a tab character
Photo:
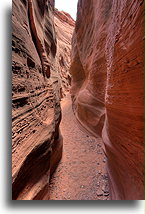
36	113
107	86
64	27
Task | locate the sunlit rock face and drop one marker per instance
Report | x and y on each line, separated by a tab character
36	114
107	86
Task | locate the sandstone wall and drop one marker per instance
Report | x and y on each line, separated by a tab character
36	113
107	86
64	27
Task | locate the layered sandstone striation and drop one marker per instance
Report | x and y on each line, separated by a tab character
64	27
107	86
36	113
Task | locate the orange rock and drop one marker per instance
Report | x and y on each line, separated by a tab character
36	113
64	17
64	27
107	83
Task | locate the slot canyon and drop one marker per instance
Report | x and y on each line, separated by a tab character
77	101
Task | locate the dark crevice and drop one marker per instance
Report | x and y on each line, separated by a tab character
48	72
20	102
30	63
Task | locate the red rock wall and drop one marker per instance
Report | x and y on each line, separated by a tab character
36	114
107	83
64	27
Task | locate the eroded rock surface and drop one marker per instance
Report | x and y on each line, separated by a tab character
36	113
107	86
64	27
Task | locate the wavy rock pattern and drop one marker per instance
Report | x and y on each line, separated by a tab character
64	27
107	86
36	113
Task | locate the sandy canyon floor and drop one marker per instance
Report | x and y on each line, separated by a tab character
81	174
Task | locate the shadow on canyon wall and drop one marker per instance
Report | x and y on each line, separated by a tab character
7	157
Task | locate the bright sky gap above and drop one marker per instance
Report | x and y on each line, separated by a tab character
69	6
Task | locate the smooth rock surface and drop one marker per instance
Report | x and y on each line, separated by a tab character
107	86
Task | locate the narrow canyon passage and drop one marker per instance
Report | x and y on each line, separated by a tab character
81	174
98	57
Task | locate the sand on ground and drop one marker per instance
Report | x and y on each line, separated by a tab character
81	174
